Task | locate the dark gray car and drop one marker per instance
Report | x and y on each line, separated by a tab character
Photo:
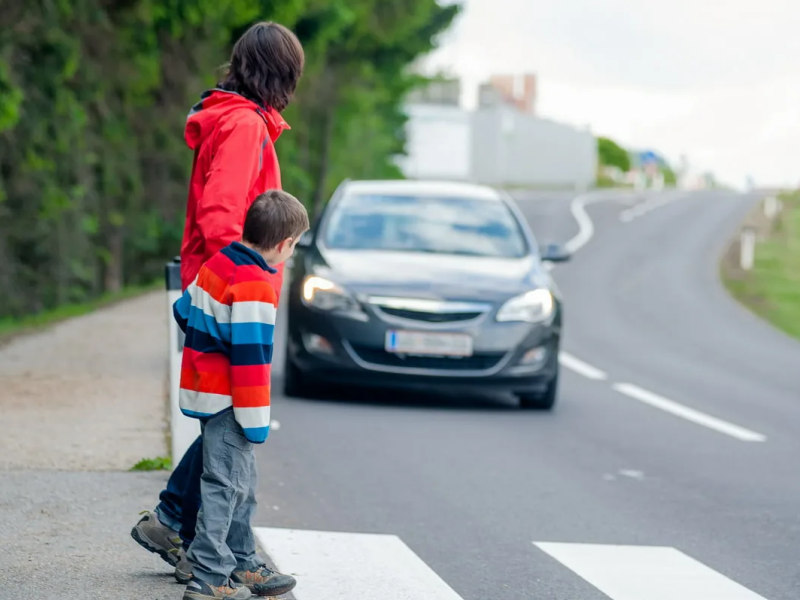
424	285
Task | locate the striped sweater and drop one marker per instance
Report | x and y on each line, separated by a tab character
228	315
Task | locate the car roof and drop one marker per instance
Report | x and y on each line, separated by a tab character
424	188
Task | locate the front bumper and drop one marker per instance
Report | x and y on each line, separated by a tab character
356	354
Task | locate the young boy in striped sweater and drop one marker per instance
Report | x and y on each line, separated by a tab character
228	315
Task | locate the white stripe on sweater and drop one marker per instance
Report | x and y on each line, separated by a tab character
250	418
203	402
253	312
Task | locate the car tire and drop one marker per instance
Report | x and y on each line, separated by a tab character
541	401
295	382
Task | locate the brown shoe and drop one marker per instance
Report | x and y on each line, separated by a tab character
157	538
265	582
200	590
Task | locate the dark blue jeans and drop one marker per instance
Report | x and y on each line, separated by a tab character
180	501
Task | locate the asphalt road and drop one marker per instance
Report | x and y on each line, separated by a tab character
673	450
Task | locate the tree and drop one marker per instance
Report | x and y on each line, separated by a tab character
611	154
93	100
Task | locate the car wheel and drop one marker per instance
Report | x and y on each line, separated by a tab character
295	382
543	400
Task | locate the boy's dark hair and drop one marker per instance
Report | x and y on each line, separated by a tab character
273	217
266	64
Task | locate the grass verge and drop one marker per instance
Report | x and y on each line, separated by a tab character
159	463
772	288
10	328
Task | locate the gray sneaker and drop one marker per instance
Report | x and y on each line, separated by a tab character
183	570
156	537
200	590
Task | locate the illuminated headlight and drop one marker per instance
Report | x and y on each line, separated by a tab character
324	294
532	307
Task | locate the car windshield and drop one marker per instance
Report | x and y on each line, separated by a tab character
439	225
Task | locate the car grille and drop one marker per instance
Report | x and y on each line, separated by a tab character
430	317
476	362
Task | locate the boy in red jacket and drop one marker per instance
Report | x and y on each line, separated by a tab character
232	131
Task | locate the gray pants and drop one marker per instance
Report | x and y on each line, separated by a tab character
223	541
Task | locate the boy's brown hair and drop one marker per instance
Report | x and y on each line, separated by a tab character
266	64
273	217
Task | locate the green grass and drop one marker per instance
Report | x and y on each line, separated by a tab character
13	327
772	288
159	463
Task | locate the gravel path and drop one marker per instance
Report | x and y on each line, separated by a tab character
88	394
80	404
66	535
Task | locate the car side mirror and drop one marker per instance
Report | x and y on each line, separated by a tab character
305	239
555	253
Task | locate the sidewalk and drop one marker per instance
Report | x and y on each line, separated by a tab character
80	404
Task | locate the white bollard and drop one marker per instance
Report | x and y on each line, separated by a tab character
183	430
747	248
770	207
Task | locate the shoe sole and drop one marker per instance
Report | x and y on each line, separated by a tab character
272	592
146	543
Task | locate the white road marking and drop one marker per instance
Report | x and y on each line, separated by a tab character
580	367
585	226
352	566
646	573
638	210
690	414
274	425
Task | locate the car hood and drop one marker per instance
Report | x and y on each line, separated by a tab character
431	276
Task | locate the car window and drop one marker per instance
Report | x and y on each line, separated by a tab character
440	225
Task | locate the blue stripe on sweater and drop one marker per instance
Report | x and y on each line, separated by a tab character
256	435
200	341
243	355
207	324
252	333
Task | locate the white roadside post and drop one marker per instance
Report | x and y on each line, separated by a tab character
747	247
183	430
770	207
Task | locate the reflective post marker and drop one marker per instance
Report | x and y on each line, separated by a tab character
183	430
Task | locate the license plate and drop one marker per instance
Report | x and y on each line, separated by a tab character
424	343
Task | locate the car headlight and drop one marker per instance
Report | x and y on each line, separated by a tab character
324	294
532	307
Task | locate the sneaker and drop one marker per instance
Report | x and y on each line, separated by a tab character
198	589
183	570
156	537
265	582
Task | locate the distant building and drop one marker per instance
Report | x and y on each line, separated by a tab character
500	143
511	90
444	92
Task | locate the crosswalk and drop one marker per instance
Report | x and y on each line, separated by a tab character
337	566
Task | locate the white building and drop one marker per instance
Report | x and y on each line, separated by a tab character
496	144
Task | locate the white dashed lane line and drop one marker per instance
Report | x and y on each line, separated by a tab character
689	414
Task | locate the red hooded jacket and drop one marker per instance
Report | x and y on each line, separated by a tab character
234	161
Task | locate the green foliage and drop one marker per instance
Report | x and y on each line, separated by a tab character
93	99
159	463
772	288
611	154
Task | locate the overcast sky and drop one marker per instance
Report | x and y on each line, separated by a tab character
720	85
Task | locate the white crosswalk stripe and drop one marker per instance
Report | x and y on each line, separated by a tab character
346	566
646	573
352	566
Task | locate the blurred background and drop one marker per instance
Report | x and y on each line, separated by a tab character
571	95
641	168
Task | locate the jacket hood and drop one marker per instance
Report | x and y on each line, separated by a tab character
216	104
